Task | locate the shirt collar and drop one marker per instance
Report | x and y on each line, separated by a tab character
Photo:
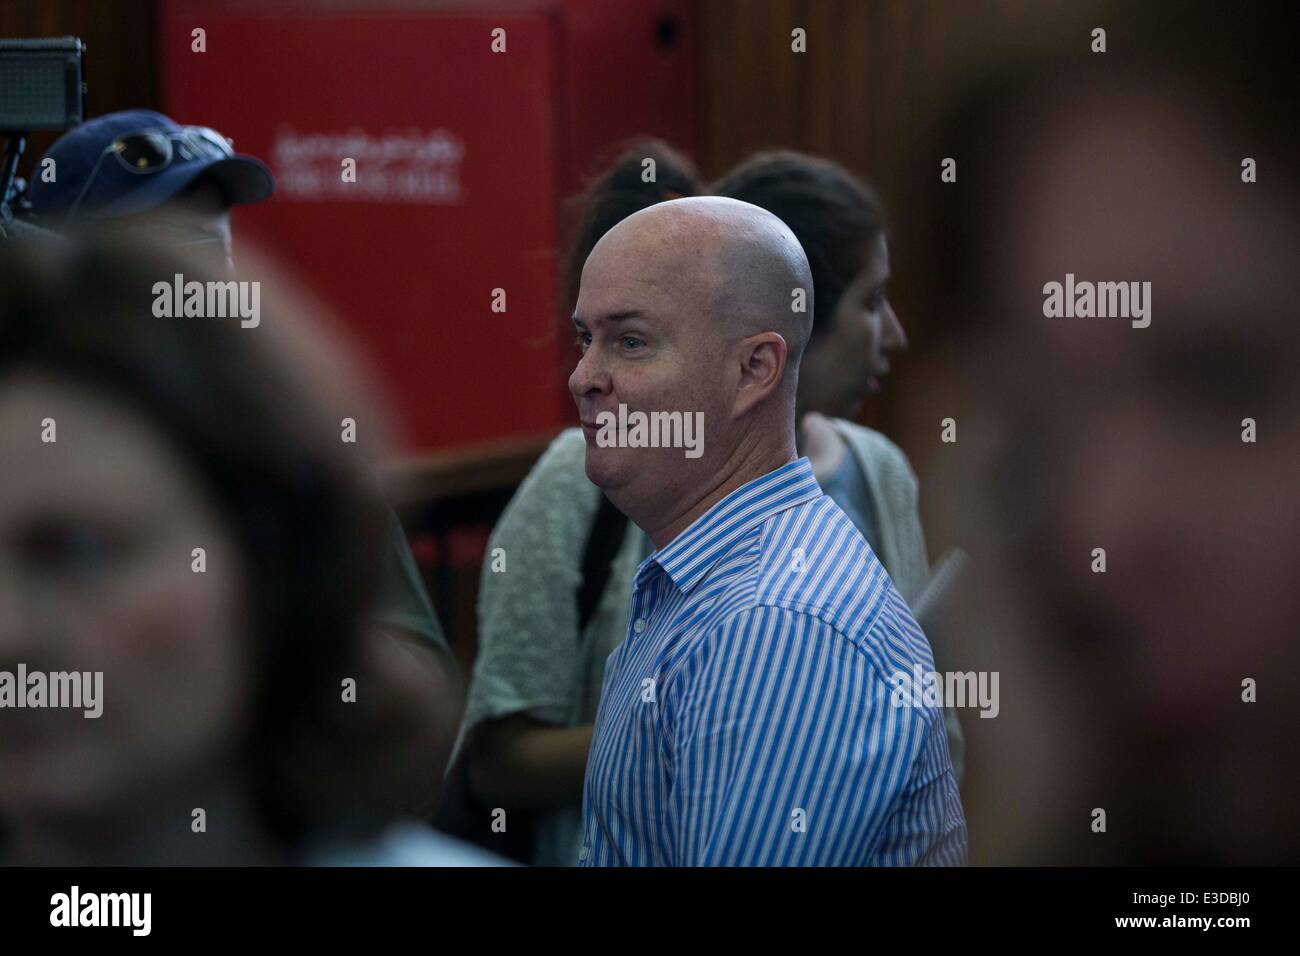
690	555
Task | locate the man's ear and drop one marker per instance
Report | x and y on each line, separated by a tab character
762	368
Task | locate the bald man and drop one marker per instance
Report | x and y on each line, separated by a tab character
750	716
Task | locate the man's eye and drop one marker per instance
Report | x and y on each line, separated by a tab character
634	342
582	340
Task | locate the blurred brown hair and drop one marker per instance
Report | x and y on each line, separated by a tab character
835	215
256	412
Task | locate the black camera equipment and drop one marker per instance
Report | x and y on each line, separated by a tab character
41	88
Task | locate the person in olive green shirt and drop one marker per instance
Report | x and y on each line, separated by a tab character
416	662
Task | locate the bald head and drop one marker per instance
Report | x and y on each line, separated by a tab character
734	265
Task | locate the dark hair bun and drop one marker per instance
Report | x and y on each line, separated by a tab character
643	173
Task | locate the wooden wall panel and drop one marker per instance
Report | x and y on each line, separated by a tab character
121	63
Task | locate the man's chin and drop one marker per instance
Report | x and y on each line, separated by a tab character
605	470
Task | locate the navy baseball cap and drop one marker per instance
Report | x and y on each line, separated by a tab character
131	162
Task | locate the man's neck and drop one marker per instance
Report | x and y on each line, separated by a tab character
744	466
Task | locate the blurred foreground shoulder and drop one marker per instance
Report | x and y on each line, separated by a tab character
406	844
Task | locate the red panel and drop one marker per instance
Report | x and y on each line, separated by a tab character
629	69
454	196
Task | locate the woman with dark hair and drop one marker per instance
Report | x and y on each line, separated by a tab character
182	519
546	627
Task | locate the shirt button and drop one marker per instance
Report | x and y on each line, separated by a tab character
582	854
639	626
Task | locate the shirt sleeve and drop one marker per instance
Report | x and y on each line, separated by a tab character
904	551
788	751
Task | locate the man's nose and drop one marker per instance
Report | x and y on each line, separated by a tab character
589	376
895	337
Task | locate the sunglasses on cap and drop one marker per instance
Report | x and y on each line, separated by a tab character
148	151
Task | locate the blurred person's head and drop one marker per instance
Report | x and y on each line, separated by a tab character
129	441
1092	433
140	170
839	224
686	306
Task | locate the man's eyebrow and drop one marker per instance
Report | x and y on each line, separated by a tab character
612	317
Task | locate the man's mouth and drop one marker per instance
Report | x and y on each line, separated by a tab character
590	418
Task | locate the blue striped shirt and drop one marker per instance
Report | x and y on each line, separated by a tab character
749	716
